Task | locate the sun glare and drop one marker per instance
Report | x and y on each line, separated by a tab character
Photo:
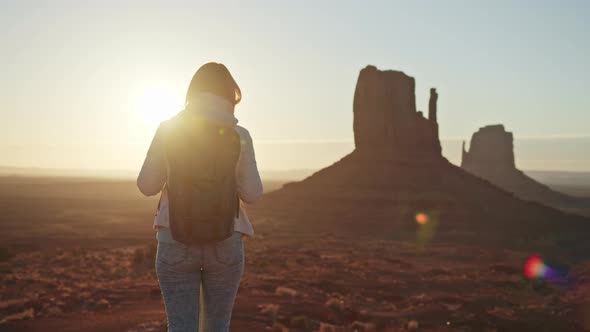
158	103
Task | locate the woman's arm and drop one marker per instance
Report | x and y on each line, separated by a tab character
152	176
247	176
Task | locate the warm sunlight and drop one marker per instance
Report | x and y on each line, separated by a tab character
157	102
392	166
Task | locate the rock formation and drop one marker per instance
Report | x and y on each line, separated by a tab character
491	157
491	147
397	171
385	118
432	107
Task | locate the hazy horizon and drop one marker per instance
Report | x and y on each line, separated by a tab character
284	156
84	86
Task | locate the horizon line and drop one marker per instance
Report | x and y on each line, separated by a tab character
270	141
452	138
107	170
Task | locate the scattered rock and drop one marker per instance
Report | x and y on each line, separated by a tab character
285	291
452	307
102	304
84	295
363	327
324	327
54	310
26	314
277	327
155	326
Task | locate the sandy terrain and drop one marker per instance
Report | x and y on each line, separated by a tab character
77	255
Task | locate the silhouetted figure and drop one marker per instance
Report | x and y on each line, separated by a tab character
203	164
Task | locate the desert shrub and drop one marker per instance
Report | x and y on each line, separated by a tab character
119	272
5	254
301	322
335	304
272	310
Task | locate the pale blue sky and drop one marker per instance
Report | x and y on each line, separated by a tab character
77	79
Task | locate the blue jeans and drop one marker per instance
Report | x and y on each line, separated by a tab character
199	283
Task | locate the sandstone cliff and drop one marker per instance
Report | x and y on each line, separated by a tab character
397	171
491	147
491	157
386	120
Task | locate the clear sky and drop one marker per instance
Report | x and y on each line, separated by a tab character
85	85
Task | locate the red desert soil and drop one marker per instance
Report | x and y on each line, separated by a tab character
295	279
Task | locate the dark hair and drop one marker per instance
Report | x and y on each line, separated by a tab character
214	78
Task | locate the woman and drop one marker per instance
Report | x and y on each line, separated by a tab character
199	282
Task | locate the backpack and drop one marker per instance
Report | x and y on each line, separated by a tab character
202	194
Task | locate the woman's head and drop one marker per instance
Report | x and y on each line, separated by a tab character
214	78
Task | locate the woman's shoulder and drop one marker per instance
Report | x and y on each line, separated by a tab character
244	133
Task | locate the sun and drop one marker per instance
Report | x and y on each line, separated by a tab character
157	103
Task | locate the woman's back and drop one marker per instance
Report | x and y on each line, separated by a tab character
204	165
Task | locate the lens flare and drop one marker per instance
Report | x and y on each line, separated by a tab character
422	218
535	268
427	225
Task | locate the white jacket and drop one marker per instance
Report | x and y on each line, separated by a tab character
153	174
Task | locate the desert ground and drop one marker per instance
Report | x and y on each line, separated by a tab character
77	254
